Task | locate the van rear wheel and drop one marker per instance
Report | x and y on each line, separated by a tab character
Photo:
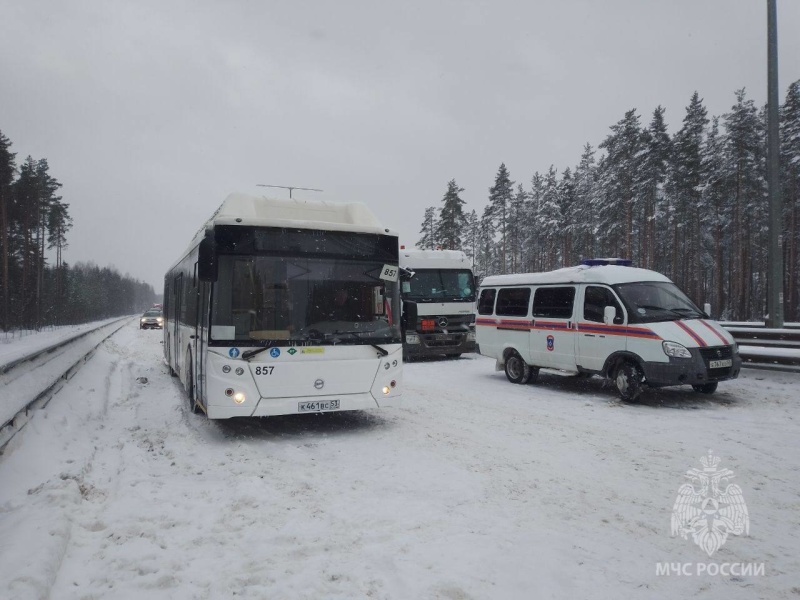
517	370
629	381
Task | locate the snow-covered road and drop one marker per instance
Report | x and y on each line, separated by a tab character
476	488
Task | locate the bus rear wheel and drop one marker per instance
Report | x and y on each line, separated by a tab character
517	370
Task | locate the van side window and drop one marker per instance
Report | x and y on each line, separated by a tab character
513	302
595	300
553	302
486	302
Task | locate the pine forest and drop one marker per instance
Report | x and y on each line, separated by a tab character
692	205
37	288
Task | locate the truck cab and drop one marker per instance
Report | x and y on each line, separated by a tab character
438	302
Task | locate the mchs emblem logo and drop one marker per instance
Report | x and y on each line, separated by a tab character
709	509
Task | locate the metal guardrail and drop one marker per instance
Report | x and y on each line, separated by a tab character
25	390
766	348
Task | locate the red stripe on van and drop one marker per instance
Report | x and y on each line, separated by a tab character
700	342
550	325
716	333
618	330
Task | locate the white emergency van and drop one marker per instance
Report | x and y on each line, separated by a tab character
438	294
606	318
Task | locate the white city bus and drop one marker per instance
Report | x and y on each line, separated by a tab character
285	306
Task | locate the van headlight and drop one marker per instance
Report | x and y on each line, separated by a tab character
412	338
675	350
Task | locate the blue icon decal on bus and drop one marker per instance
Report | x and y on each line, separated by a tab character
551	343
275	352
233	352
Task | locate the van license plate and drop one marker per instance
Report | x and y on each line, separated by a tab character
318	406
719	364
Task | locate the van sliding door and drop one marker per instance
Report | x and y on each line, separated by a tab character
553	330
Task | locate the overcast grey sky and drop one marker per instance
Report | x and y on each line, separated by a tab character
151	112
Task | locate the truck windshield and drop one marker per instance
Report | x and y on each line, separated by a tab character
649	302
440	285
271	300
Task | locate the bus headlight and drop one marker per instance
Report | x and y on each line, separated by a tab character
675	350
239	398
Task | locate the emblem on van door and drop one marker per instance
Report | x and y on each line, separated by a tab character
442	321
319	384
551	343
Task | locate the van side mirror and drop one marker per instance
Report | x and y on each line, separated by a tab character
207	258
609	314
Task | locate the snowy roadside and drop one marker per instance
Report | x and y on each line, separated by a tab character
13	348
476	488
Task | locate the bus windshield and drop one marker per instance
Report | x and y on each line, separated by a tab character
440	285
649	302
318	300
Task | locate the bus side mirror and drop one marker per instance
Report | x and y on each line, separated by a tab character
609	314
409	313
207	259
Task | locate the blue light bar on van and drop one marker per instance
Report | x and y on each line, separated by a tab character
596	262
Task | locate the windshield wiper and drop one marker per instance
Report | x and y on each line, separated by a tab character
356	335
251	353
674	311
262	345
688	310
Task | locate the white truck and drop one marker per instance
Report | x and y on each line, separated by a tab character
438	301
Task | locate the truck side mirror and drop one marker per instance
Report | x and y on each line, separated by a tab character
207	258
409	313
609	314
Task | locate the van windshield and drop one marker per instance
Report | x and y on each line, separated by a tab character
652	301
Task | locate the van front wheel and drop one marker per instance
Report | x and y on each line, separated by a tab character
706	388
629	381
517	370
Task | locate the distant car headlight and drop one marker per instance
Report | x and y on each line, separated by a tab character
160	319
675	350
142	320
